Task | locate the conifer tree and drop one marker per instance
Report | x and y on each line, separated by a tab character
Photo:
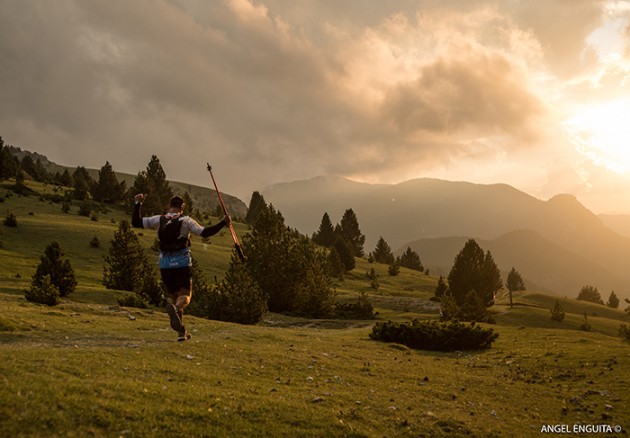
107	188
383	252
188	202
613	300
153	182
126	260
239	298
82	183
42	291
9	163
442	288
591	294
205	303
151	290
346	253
557	312
283	263
410	259
514	283
325	235
272	259
474	270
351	232
315	295
256	204
66	179
3	159
393	269
60	271
337	268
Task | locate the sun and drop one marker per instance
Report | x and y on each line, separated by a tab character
602	133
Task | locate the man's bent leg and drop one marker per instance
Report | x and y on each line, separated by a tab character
183	300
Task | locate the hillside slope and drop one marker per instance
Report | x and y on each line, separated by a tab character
204	198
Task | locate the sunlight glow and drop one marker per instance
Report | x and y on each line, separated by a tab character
602	133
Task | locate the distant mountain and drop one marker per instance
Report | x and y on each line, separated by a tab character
431	208
619	223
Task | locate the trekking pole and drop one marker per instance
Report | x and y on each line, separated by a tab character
237	245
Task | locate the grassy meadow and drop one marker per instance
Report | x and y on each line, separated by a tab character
88	367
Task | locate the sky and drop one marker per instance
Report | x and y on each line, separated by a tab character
532	93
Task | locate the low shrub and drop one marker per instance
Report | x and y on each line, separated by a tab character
10	220
361	309
95	242
43	291
132	300
624	332
434	335
557	312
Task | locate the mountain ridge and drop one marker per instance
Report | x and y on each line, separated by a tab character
426	208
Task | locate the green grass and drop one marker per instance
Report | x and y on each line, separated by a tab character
88	367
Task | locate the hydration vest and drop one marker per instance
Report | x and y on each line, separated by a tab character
169	234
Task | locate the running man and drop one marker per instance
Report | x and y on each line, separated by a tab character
175	259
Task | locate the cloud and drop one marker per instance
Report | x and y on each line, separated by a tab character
279	90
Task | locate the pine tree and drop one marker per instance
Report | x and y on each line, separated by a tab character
351	232
442	288
514	283
315	295
240	299
383	252
557	312
82	183
43	291
325	236
188	202
205	303
410	259
283	263
491	280
60	271
337	268
153	183
151	290
474	308
256	204
3	159
107	189
346	253
613	300
125	262
393	269
66	179
591	294
273	259
9	164
474	270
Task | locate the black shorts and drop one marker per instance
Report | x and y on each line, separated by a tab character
176	279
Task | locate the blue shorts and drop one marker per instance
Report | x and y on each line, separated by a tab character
177	279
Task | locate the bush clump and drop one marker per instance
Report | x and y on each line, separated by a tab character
42	291
361	309
59	271
134	300
434	335
624	332
10	220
